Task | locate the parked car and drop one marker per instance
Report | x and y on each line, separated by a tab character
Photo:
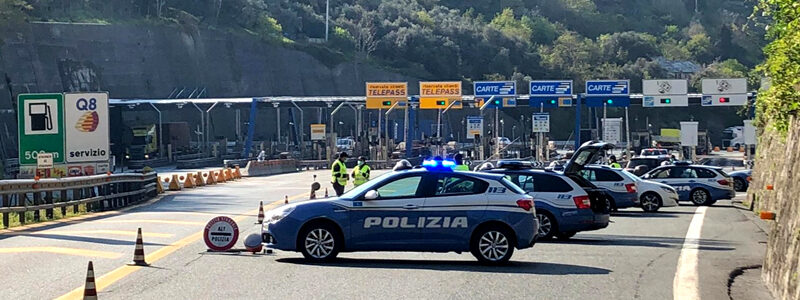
566	203
702	185
621	188
653	195
741	180
641	165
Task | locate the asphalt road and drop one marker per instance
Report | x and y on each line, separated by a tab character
636	257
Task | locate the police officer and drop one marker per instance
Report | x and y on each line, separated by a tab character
460	166
361	171
339	175
612	162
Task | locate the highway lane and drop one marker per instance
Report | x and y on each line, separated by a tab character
634	258
58	254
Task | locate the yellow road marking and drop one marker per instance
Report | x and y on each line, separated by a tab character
171	222
94	232
111	277
62	250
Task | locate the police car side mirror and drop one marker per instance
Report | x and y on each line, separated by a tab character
371	195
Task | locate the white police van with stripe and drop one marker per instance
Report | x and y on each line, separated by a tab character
429	209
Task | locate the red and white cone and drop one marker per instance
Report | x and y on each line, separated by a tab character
286	199
90	290
260	212
138	253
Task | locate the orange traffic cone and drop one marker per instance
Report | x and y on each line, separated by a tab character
188	183
220	177
90	290
210	178
198	179
286	199
260	212
138	253
237	173
228	176
173	183
159	187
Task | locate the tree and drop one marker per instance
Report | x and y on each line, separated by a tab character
12	13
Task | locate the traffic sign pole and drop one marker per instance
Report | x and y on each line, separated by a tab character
578	123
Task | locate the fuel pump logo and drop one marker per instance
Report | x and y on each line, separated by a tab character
89	120
41	116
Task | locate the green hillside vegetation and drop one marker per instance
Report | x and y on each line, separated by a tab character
465	39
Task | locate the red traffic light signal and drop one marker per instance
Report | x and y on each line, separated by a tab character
724	100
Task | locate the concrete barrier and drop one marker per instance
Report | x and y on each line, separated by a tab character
153	163
270	167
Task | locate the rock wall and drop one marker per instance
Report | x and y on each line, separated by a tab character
151	61
778	164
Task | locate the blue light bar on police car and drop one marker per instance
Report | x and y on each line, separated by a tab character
432	163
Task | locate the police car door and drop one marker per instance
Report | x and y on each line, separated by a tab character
389	222
454	204
683	179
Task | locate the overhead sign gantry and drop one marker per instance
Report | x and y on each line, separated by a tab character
550	93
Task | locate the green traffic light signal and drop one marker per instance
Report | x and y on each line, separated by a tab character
609	101
387	103
440	102
666	100
496	102
553	101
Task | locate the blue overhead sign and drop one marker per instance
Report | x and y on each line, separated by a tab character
551	88
607	88
495	88
601	93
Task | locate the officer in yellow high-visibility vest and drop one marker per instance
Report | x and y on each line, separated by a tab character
339	175
361	171
459	160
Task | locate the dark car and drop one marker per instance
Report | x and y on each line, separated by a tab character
641	165
741	179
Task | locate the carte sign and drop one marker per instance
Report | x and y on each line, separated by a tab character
221	233
601	93
550	93
40	128
384	94
86	127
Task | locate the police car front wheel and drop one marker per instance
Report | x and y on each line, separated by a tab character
492	245
319	242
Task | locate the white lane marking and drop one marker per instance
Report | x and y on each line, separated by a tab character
686	285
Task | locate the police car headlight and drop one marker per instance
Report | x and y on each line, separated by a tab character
276	215
669	190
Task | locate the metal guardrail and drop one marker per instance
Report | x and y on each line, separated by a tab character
98	193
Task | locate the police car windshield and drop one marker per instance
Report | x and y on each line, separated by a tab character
351	194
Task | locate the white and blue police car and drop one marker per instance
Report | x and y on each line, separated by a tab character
566	203
702	185
427	209
621	188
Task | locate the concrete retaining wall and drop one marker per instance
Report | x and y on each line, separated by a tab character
778	165
269	167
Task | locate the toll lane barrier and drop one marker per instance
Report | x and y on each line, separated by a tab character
269	167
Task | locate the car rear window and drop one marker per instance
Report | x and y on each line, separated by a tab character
546	183
704	173
650	162
721	172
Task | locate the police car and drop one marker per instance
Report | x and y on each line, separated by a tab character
566	203
428	209
621	187
702	185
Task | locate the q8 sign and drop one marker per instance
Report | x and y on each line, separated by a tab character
86	127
